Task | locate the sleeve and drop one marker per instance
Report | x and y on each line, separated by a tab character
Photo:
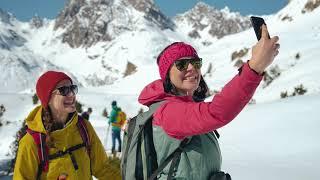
181	119
26	165
101	166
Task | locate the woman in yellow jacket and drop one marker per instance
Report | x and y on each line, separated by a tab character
57	118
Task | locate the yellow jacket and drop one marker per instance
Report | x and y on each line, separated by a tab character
27	161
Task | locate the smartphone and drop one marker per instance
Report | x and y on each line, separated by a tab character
257	22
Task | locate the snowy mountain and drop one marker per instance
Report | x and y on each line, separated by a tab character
106	30
204	21
19	65
87	37
88	22
99	59
9	37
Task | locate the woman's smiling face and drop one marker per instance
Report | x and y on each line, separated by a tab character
187	80
63	104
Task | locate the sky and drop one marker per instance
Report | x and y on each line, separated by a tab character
26	9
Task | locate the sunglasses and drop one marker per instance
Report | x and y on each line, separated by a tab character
65	90
183	64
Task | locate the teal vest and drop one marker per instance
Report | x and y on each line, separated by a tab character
200	158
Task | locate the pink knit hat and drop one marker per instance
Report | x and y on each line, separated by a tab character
172	53
46	84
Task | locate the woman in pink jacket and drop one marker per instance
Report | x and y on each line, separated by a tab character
184	114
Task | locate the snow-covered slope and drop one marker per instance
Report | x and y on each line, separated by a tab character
275	141
297	61
279	138
19	64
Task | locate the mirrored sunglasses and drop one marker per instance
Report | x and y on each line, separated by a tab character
183	64
65	90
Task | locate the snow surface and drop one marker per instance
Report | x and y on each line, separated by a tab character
276	140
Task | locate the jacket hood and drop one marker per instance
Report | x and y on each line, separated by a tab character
154	92
34	120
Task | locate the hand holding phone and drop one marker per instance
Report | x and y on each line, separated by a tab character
266	49
257	22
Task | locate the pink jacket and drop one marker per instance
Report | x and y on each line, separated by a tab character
180	116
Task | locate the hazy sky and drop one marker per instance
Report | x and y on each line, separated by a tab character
26	9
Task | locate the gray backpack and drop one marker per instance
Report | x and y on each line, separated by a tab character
139	160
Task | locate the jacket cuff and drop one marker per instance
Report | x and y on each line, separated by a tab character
251	74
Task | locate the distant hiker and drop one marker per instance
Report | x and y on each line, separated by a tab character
117	119
86	114
59	144
182	125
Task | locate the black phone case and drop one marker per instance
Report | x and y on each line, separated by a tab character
257	22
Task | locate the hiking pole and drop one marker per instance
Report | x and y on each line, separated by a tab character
107	135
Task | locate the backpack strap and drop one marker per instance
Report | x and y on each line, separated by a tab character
147	146
135	128
86	143
84	134
68	151
146	156
83	130
43	151
217	134
174	157
130	131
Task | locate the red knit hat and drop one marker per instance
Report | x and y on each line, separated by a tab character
46	84
172	53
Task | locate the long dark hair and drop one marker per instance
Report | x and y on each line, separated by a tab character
199	94
50	125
